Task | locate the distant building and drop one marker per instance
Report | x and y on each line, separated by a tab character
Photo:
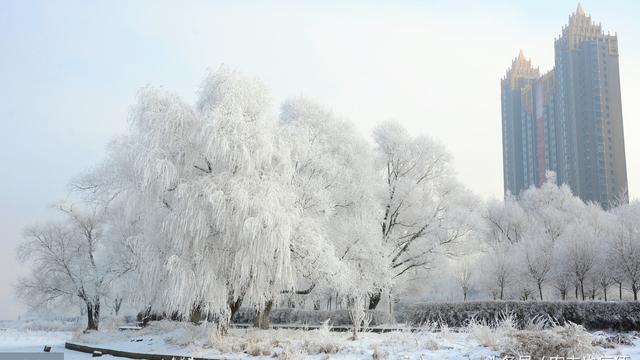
569	120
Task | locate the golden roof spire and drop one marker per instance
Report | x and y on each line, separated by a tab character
580	11
521	56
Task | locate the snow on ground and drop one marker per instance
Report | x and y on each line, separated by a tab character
311	344
32	336
14	340
201	341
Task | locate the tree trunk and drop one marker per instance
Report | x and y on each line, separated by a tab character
620	290
604	290
196	314
582	289
234	306
116	306
93	314
634	288
501	291
262	316
576	291
225	323
145	316
374	299
540	291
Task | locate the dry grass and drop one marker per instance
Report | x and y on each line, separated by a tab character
288	354
489	335
379	354
540	337
565	341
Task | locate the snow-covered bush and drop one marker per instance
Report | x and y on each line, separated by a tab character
538	339
379	354
288	354
569	340
258	348
321	345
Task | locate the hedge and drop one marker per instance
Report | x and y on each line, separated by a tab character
310	317
593	315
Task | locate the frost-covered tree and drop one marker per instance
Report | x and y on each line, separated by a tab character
536	228
549	210
464	273
231	210
626	245
76	258
499	271
335	244
536	254
505	222
425	211
357	314
552	207
580	243
209	189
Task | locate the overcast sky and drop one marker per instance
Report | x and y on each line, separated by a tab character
70	70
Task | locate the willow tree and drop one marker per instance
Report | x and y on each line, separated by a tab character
335	243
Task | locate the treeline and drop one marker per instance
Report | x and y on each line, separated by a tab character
201	209
548	244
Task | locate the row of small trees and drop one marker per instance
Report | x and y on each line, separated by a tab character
201	209
549	239
547	244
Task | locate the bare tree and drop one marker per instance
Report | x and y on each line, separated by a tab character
537	254
499	272
464	274
562	281
70	260
581	253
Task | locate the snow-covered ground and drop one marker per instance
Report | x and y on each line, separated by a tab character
186	340
289	344
14	340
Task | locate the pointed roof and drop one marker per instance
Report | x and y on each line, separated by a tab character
521	68
579	10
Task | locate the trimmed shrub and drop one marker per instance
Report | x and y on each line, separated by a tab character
593	315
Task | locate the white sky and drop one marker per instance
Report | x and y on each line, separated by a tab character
70	70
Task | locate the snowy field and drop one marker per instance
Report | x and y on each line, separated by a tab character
474	342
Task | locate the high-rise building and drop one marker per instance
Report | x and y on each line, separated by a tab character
516	126
569	120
